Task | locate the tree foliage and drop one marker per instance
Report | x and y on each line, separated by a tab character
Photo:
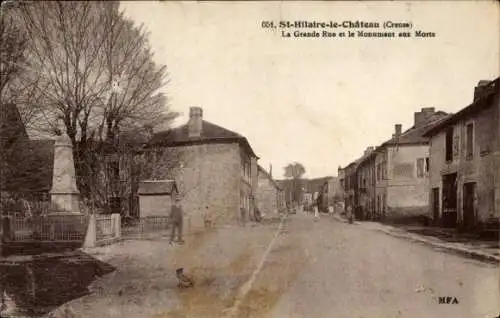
294	170
12	50
93	77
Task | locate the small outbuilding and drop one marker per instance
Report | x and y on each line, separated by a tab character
156	197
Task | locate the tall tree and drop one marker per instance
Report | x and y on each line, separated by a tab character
294	172
12	48
96	76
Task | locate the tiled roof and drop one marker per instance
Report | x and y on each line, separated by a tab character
211	133
491	92
157	187
364	157
415	135
412	136
315	185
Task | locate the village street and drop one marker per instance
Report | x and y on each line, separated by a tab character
313	269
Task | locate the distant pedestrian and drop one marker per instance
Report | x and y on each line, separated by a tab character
316	210
207	218
330	209
176	216
243	214
349	214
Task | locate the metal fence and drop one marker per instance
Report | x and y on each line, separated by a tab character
65	228
147	224
105	227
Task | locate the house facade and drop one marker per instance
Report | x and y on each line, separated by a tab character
270	196
320	190
340	190
465	163
329	192
215	169
350	185
366	185
156	197
402	170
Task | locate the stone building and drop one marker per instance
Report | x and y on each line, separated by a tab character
321	190
156	197
402	170
215	169
350	184
270	196
465	163
365	175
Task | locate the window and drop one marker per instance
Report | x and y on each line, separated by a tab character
420	167
469	142
449	144
378	172
245	172
427	164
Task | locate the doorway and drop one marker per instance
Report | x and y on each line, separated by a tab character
449	218
435	205
468	205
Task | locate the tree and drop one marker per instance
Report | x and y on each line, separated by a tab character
96	77
294	172
12	50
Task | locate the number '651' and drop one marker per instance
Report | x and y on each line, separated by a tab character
267	24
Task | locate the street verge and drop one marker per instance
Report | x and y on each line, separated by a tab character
456	248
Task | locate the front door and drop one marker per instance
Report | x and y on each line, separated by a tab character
449	216
435	205
468	205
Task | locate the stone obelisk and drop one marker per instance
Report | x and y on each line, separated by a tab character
64	194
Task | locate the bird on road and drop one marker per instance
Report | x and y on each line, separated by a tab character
184	281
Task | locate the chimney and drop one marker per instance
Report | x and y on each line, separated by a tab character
195	124
368	150
422	117
397	130
271	170
479	89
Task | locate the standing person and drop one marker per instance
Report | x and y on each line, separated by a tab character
176	217
349	213
316	210
243	213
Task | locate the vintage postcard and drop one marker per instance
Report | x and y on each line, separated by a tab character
268	159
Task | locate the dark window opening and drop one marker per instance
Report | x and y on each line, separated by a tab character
449	144
470	141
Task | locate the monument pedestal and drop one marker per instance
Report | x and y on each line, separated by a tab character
65	203
65	196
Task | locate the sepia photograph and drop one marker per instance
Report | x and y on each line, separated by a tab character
250	159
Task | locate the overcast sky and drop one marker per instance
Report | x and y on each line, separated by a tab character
318	101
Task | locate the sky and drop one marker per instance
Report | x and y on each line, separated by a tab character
318	101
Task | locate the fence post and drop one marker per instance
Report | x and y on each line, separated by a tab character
116	220
91	235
